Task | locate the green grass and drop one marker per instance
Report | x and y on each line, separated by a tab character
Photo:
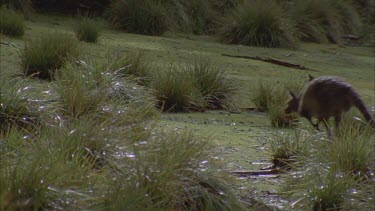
142	17
82	89
175	91
258	23
287	147
213	84
23	6
15	110
267	94
43	56
42	171
167	175
238	138
11	22
325	20
136	65
335	174
351	149
87	29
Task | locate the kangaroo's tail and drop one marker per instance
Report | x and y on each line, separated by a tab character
365	112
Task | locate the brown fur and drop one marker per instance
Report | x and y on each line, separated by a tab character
326	97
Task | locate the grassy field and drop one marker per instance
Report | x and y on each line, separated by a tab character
239	137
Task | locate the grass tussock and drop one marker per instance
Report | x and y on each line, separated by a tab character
336	174
138	16
15	110
44	174
192	87
168	173
43	56
82	89
175	91
212	83
325	20
286	148
137	65
87	29
321	190
272	98
351	150
258	23
11	22
23	6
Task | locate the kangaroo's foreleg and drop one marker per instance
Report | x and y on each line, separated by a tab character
329	131
337	120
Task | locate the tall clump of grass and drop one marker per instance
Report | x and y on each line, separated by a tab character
169	173
175	91
196	16
82	89
286	148
23	6
43	56
258	23
87	29
336	174
46	170
136	64
212	83
11	22
352	148
15	110
325	20
272	98
138	16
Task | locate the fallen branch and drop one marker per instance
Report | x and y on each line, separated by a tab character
256	173
9	44
273	61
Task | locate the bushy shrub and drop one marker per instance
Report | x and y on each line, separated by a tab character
44	55
139	16
212	83
258	23
87	29
11	22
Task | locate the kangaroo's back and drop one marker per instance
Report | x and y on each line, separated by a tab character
331	96
327	96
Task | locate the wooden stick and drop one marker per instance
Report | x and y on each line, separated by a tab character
273	61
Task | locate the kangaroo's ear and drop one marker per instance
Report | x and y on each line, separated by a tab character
311	77
292	94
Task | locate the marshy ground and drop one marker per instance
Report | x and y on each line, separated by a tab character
239	136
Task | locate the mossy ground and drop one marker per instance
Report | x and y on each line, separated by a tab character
239	137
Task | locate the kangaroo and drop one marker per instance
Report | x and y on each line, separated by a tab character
326	97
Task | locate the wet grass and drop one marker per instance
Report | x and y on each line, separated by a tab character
238	139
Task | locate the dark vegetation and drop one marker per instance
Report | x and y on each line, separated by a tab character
93	144
247	22
11	22
87	29
43	56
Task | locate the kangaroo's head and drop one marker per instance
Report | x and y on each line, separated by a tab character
293	104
